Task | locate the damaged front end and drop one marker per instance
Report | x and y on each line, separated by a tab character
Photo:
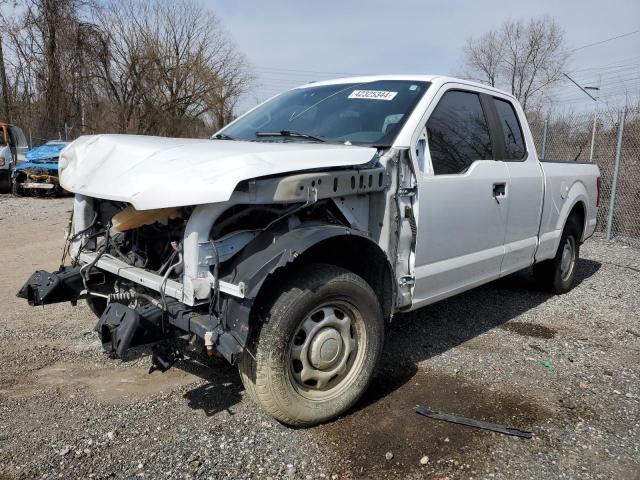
36	180
152	275
40	174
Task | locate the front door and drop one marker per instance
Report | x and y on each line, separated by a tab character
463	197
20	145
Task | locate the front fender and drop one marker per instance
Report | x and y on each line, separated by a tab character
269	252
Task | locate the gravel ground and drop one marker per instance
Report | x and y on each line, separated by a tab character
68	411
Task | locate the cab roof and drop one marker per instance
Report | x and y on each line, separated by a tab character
433	79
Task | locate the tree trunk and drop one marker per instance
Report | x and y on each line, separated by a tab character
53	92
5	88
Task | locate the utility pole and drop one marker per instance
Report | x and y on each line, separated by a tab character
595	117
595	111
5	88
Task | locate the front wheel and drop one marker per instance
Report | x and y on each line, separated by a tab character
558	274
5	181
317	350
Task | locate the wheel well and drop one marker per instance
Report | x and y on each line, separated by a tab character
578	211
353	253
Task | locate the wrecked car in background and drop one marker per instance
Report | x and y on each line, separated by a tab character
287	243
39	174
13	146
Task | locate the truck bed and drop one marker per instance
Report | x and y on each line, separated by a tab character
566	183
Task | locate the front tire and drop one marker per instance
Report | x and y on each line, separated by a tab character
316	353
558	274
5	181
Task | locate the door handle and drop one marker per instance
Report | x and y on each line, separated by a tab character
499	190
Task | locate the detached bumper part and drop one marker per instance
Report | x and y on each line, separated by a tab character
117	327
44	288
121	327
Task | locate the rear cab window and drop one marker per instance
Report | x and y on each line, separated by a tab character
514	145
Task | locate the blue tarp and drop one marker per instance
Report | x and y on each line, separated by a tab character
45	152
25	165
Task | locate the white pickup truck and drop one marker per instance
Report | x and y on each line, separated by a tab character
288	241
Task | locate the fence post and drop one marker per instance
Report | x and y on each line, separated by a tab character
544	139
616	171
593	134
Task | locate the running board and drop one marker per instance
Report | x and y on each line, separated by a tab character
151	280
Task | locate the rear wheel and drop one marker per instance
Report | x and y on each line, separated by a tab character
316	354
558	274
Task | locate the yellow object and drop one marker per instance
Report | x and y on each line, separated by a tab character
131	218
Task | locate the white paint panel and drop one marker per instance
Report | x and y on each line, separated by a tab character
523	217
155	172
461	230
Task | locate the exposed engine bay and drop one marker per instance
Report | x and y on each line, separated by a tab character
153	274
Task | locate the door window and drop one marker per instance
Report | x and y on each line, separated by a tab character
513	139
458	133
19	139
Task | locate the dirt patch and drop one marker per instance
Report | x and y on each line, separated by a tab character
390	424
529	330
108	385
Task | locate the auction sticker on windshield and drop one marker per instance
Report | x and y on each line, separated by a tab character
373	94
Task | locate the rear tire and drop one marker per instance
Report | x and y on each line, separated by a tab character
558	274
316	354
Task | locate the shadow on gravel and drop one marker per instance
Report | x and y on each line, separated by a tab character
221	391
384	419
416	336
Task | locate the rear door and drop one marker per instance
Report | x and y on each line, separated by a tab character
463	197
525	188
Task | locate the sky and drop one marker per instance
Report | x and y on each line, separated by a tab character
288	43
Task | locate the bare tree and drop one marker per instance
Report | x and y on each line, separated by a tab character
162	67
523	58
168	65
4	85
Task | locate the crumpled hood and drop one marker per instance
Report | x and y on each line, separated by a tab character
157	172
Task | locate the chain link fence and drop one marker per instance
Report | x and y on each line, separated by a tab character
612	140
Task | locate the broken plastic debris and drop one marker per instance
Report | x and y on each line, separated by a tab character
545	364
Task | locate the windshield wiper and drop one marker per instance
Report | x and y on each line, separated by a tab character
290	133
223	136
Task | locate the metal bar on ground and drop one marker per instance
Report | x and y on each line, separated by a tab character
469	422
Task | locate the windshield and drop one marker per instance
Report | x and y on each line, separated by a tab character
370	113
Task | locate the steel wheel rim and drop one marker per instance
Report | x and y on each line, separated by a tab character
567	260
325	351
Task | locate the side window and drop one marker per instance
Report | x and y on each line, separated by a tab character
458	133
18	137
513	139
